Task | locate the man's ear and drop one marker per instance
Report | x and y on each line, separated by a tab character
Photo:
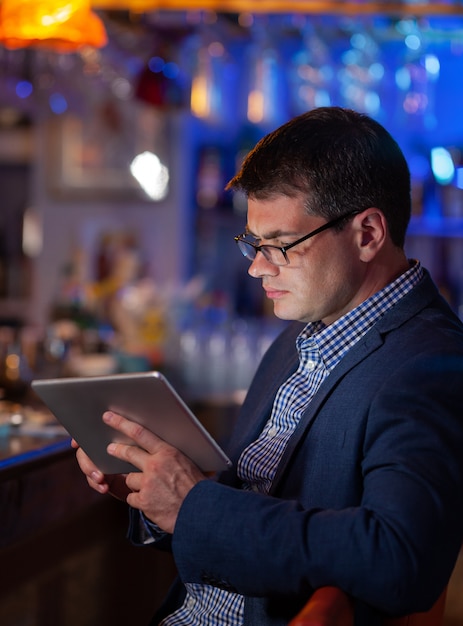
372	233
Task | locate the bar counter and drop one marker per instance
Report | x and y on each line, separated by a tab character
65	559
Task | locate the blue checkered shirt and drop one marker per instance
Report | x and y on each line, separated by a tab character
320	349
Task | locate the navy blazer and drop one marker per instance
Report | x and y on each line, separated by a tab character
369	492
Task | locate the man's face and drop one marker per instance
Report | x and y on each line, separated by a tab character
324	276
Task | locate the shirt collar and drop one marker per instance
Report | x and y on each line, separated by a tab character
335	340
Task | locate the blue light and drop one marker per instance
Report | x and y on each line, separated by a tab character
24	89
459	178
358	41
372	103
58	103
413	42
432	64
156	64
403	79
376	71
171	70
442	165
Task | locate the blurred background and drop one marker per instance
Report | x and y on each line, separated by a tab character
120	123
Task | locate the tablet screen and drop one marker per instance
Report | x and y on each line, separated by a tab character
146	398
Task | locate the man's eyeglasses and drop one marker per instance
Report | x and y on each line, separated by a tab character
277	254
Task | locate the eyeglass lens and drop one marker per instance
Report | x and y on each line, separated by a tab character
273	254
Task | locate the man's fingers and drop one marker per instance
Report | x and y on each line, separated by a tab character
88	467
125	452
133	481
95	478
144	438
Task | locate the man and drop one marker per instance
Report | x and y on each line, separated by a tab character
348	464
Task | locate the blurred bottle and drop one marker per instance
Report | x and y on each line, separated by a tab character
210	181
15	373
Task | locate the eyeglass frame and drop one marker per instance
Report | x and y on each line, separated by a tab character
283	249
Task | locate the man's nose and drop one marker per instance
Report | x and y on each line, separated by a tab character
261	267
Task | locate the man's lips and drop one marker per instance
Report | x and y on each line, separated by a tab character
273	293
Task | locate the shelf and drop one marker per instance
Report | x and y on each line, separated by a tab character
334	7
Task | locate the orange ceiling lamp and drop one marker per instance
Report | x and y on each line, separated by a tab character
138	6
62	25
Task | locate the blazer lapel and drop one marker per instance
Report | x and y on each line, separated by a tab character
410	305
359	352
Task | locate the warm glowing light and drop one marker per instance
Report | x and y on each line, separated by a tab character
151	174
63	25
32	235
255	106
200	105
201	87
133	5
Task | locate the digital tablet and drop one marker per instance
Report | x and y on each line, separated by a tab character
146	398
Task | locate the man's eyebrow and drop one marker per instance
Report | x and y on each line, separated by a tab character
276	234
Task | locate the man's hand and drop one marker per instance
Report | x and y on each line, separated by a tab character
113	484
165	477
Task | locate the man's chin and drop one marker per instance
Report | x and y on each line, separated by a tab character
285	313
281	312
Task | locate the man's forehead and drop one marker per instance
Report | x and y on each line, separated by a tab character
272	225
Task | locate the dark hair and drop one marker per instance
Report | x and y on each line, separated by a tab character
339	159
